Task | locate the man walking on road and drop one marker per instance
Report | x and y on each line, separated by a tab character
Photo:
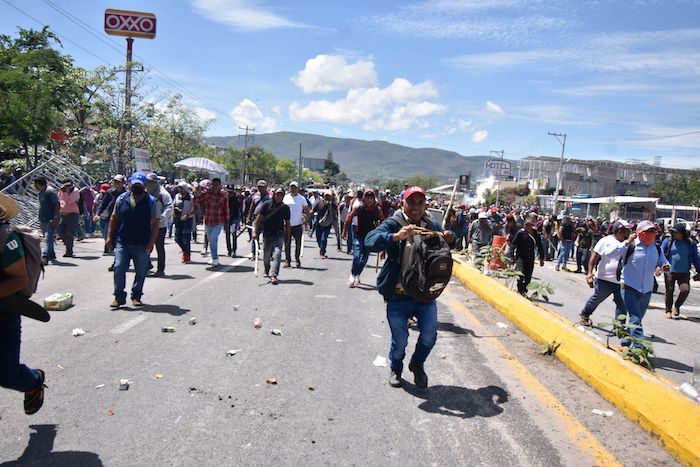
390	236
70	215
681	252
48	217
368	217
642	259
183	209
604	261
257	200
525	243
234	221
133	229
298	206
13	279
106	207
216	215
566	242
479	233
164	210
326	211
273	218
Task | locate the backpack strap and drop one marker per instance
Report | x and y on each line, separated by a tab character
621	264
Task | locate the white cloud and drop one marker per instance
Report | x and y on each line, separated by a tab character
205	115
464	125
493	109
609	89
326	73
242	14
247	113
480	136
399	106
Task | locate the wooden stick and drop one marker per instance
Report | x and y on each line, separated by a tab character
255	242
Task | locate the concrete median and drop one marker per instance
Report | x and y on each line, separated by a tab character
652	401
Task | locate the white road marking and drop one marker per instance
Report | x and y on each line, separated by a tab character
125	326
128	324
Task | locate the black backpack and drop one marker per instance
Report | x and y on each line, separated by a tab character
628	253
427	269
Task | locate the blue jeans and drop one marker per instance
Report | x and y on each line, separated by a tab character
14	375
213	232
322	234
89	224
636	304
564	252
351	234
104	227
49	231
123	254
360	255
603	289
183	236
398	309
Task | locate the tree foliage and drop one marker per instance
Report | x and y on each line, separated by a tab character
34	88
680	189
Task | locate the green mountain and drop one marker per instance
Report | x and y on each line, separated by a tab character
364	160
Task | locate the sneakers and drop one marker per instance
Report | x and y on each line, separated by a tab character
357	281
287	264
395	380
136	302
111	268
298	263
33	400
213	262
419	376
351	281
117	303
158	273
273	280
185	258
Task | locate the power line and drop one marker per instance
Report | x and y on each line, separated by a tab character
696	132
116	46
57	33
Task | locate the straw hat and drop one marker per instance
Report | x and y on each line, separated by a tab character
8	208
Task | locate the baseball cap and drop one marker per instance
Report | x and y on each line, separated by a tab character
679	227
262	183
119	178
645	225
137	178
483	215
620	225
66	182
279	190
410	191
152	177
104	188
294	184
182	184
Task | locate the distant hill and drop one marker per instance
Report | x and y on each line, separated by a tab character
363	160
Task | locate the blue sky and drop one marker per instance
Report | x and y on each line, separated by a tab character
620	78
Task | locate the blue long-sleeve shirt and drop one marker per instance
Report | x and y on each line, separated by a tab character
682	255
638	272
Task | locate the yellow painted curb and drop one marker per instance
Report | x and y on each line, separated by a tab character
652	401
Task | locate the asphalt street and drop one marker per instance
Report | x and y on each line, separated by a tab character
493	399
674	340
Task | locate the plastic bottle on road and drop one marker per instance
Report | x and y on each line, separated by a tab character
257	323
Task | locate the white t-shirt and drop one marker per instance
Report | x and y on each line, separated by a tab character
296	208
355	204
607	248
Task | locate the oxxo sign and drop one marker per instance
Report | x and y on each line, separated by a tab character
130	23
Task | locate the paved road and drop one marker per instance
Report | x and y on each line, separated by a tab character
493	399
675	341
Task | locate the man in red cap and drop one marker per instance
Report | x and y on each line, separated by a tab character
391	236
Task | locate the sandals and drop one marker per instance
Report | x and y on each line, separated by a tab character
676	312
586	321
33	400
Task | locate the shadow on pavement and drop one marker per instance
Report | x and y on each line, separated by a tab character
238	268
453	328
89	258
672	365
305	268
56	262
333	258
460	402
295	281
38	451
173	277
147	308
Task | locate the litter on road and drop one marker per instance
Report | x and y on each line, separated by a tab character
124	384
99	386
257	323
236	307
501	325
605	413
78	332
167	329
276	332
379	361
193	321
232	352
272	381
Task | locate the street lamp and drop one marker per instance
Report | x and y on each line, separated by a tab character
561	137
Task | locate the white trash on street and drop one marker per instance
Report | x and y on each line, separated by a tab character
379	361
78	332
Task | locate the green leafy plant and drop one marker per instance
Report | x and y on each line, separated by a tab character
640	351
539	291
550	347
511	275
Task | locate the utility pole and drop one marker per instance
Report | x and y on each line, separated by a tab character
126	121
500	169
561	137
245	151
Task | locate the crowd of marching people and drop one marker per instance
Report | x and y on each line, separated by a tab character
134	215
